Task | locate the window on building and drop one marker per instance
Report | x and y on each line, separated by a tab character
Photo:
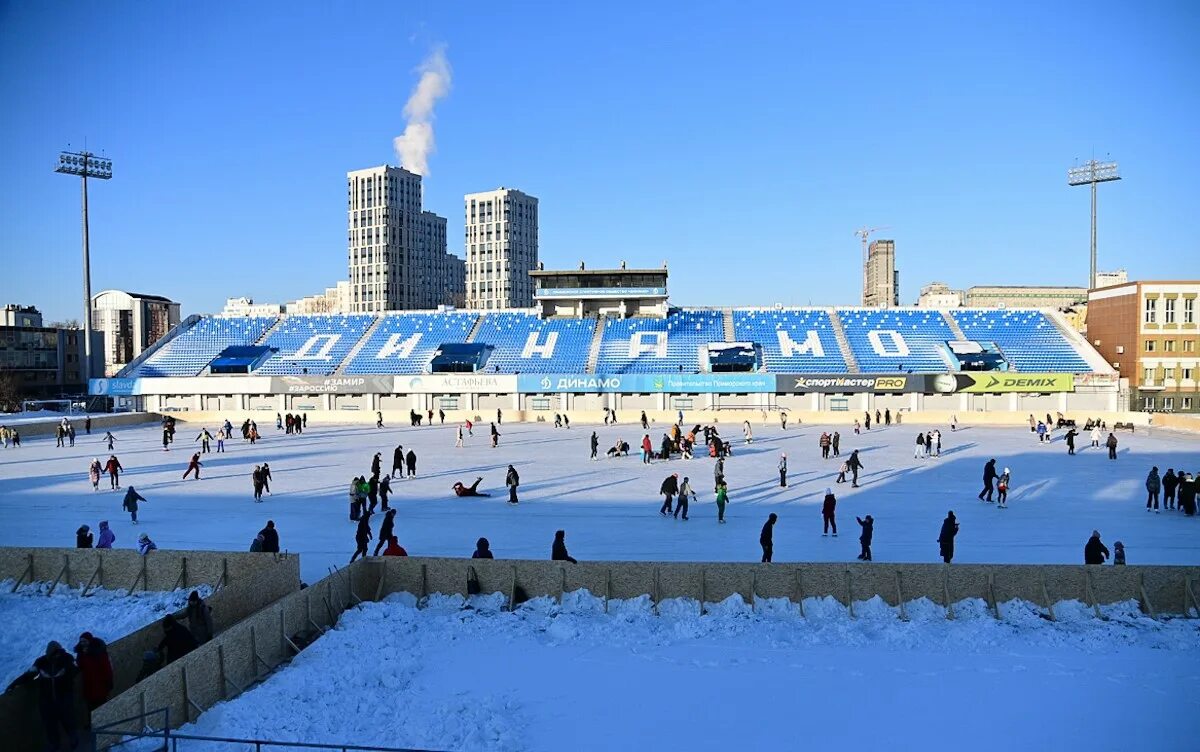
1186	403
1189	310
1189	345
1168	403
1149	345
1169	311
1168	374
1147	403
1151	311
1186	373
1148	376
1169	345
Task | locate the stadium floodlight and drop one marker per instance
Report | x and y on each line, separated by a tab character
85	165
1093	173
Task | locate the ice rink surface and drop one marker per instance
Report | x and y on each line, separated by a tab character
609	507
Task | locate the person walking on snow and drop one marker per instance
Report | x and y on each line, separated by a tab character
854	464
410	460
130	504
385	530
1153	485
1095	435
685	490
989	477
868	531
107	538
1002	487
1095	552
766	538
94	473
362	537
495	436
193	467
669	487
722	500
595	444
113	468
946	537
783	470
1111	443
828	510
512	480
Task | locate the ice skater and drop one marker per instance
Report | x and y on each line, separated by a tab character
109	439
829	513
94	471
256	479
1002	484
766	538
668	489
595	444
113	468
130	504
512	480
989	478
783	470
722	500
946	537
1153	485
386	529
193	467
558	551
472	490
362	536
854	464
495	436
864	539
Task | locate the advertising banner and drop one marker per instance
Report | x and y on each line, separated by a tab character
838	383
1000	382
643	383
332	384
457	383
113	387
927	383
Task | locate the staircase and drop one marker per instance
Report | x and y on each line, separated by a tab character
594	348
180	328
727	315
953	324
1081	344
358	346
843	343
270	330
475	329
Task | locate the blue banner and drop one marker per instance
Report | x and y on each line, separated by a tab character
648	383
600	292
113	387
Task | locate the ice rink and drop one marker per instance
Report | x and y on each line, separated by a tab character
609	507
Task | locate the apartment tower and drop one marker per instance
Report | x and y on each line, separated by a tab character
502	248
882	282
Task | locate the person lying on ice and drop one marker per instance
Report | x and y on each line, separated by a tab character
471	490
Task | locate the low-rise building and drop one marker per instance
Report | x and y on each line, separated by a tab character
939	295
131	323
1023	296
247	307
45	362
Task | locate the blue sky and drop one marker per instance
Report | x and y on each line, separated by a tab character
743	143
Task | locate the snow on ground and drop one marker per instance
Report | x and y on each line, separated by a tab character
572	677
31	619
609	508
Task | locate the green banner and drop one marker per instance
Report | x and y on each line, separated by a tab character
994	382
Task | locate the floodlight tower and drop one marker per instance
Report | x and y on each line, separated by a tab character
1093	173
85	165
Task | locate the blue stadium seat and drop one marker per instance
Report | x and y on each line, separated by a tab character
763	327
435	329
1029	340
687	332
923	332
508	332
295	331
190	351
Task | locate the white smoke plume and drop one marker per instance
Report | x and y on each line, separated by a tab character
415	145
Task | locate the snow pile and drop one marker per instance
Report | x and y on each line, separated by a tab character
31	619
550	677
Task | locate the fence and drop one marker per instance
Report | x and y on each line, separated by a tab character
244	583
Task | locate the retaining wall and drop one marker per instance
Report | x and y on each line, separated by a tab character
245	653
244	582
100	423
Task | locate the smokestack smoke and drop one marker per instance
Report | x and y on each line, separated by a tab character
415	145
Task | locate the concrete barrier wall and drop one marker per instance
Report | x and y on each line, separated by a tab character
245	583
241	655
249	650
1176	421
100	423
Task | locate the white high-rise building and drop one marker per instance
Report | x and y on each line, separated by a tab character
396	252
501	241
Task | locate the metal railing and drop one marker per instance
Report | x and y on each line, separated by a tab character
169	741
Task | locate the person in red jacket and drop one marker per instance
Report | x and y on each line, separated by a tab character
647	449
193	467
394	548
95	669
827	511
113	468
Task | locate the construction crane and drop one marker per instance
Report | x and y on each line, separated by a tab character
865	233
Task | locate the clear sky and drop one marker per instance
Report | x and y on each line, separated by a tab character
742	142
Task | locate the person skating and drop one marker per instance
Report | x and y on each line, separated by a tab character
441	417
1095	552
495	436
95	670
835	443
471	490
867	422
1153	485
87	425
499	417
362	536
782	470
145	545
113	468
278	422
372	493
920	446
512	480
398	461
1111	443
558	420
410	461
130	504
1070	437
199	618
385	488
766	538
83	537
928	443
825	442
989	478
458	439
166	440
379	419
204	438
469	424
946	537
270	538
718	473
222	434
1041	432
685	491
1169	483
1187	493
266	477
783	420
647	449
483	550
386	528
256	480
645	423
868	531
53	674
357	497
665	448
193	467
94	470
1002	484
107	537
854	464
595	444
747	432
828	513
177	641
845	468
558	551
937	441
857	427
376	465
722	500
953	423
109	439
1095	436
668	489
